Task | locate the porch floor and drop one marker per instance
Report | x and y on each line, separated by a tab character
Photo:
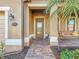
40	50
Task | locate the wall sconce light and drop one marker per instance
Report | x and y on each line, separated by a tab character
11	17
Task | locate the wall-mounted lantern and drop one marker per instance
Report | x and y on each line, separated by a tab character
12	19
11	16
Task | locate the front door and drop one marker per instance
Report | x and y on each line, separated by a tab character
39	28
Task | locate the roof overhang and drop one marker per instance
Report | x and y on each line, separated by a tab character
37	5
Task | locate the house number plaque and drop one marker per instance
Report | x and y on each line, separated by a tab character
14	24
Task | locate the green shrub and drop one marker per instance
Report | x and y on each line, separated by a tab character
1	50
66	54
76	54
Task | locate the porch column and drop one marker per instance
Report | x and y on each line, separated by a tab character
27	21
26	25
53	22
54	26
76	25
54	30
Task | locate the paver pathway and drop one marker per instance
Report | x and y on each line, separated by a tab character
40	50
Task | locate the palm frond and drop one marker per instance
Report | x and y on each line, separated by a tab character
67	9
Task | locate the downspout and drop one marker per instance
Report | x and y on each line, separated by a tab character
22	23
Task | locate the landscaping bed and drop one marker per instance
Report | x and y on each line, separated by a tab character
69	54
66	52
1	50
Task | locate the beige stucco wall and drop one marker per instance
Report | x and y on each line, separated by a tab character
78	25
62	25
31	23
14	32
47	24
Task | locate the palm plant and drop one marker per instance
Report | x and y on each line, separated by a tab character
1	50
66	10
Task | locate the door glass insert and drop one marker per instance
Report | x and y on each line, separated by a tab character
39	25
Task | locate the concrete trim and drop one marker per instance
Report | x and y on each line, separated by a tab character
28	39
13	42
14	52
53	41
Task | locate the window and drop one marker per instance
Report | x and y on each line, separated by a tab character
71	25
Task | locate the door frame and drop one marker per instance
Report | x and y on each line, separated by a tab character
35	25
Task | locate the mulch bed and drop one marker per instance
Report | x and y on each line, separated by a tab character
20	55
57	52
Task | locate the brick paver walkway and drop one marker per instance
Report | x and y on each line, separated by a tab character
40	50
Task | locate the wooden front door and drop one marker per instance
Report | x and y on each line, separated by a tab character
39	28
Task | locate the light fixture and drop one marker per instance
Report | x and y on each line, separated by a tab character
11	16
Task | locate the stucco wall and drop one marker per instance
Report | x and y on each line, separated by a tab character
78	25
62	25
14	32
31	23
47	24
